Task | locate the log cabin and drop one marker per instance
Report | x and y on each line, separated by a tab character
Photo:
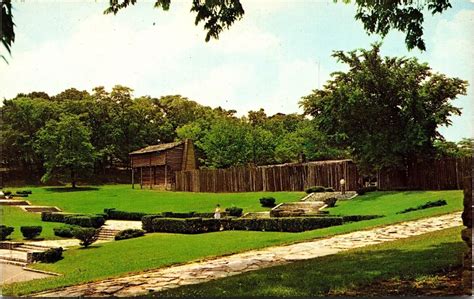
154	166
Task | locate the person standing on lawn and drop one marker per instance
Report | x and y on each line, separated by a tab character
217	212
342	182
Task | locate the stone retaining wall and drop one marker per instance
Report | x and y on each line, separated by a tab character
466	235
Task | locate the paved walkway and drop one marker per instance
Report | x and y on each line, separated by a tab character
12	273
220	267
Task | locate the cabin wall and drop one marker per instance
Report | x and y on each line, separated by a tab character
148	159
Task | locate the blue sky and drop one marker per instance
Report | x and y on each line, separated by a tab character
269	59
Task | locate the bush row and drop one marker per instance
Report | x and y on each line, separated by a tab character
363	190
66	231
31	232
49	256
429	204
95	221
129	233
124	215
5	231
200	225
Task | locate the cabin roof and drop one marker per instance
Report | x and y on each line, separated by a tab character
156	148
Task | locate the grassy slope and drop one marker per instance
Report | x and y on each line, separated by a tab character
157	250
409	258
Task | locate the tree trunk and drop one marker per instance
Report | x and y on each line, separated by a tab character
73	178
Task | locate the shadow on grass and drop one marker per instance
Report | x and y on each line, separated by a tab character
321	276
70	189
89	247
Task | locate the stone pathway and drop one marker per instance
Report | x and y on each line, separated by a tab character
210	269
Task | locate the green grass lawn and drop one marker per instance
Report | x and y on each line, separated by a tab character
412	258
16	217
123	197
158	250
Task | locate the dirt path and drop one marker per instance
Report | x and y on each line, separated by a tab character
210	269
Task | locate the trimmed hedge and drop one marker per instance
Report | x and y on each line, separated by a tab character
31	232
234	211
5	231
95	221
21	195
268	202
328	189
200	225
315	189
363	190
7	192
24	192
66	231
123	215
429	204
129	233
330	202
50	256
147	224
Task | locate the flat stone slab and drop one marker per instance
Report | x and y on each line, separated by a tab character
12	273
39	209
321	196
215	268
122	224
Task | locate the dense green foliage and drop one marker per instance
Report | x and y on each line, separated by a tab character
66	231
385	110
200	225
31	232
83	220
414	257
268	202
123	215
234	211
159	250
5	231
129	234
87	235
75	133
49	256
316	189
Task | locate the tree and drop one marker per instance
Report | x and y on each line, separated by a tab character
385	110
66	148
377	16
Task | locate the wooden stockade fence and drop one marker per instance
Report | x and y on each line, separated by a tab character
284	177
442	174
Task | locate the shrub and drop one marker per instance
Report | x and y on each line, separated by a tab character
315	189
329	189
66	231
24	192
5	231
55	217
330	202
87	235
147	222
178	215
7	192
95	221
123	215
129	233
363	190
51	255
31	232
283	224
267	202
429	204
234	211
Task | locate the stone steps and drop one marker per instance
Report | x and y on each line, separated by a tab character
107	234
13	262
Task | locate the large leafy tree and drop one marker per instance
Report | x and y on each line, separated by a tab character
66	148
385	110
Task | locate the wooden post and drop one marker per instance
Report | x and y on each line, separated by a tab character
141	177
166	177
133	171
149	172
